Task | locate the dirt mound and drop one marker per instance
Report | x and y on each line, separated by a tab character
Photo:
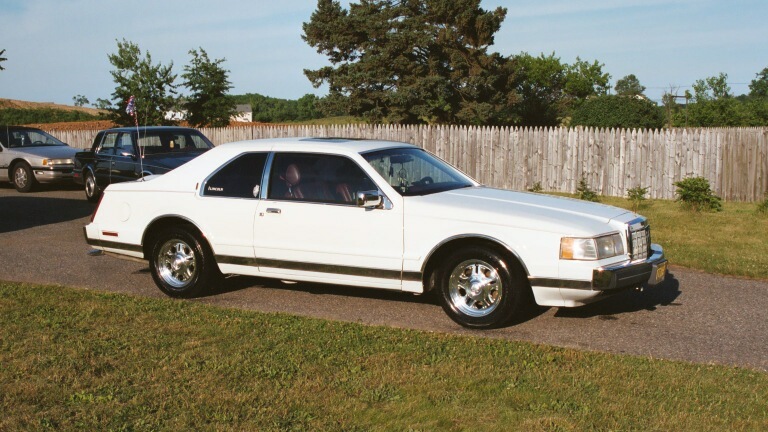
18	104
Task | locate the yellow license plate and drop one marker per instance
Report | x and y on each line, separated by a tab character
661	272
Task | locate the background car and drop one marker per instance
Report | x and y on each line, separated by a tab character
29	156
129	153
374	214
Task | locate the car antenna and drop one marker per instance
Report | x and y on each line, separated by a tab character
130	109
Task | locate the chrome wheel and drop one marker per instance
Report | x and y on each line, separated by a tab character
176	263
90	185
475	288
22	177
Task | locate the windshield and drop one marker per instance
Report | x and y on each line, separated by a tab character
28	138
413	171
154	142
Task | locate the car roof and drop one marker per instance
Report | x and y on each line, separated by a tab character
148	128
310	144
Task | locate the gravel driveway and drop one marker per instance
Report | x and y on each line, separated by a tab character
693	316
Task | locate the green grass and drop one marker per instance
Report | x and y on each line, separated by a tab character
79	360
731	242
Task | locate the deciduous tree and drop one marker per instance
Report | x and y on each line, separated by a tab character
209	104
629	86
2	59
152	85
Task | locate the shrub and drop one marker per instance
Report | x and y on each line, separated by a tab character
694	193
585	193
637	195
618	112
536	187
762	206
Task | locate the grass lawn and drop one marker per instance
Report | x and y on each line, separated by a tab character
732	242
75	359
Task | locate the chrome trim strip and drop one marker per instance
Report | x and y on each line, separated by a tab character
319	268
114	245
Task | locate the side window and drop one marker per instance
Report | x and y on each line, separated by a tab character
316	178
125	145
108	144
240	178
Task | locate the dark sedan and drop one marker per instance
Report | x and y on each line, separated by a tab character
129	153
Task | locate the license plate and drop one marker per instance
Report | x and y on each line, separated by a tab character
661	272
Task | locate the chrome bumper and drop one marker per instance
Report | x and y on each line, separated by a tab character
630	275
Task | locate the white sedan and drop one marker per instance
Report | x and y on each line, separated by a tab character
372	214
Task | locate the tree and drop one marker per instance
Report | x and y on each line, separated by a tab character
758	87
416	61
584	79
714	106
2	59
80	100
152	85
208	105
548	89
629	86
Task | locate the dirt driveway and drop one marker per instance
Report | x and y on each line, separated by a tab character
693	316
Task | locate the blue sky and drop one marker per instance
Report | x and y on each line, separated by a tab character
57	49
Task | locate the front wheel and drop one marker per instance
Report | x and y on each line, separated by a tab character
181	264
479	289
23	178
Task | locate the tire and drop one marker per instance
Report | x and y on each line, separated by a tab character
92	189
479	289
181	264
22	177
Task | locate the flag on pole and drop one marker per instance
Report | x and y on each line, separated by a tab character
131	108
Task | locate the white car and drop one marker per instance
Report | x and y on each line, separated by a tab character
374	214
29	156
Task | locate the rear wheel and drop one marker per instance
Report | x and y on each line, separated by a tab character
22	177
92	190
182	265
479	289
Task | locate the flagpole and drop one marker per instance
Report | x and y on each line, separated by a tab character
131	110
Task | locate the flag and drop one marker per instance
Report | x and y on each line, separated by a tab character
131	108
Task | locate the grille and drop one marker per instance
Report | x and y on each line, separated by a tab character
639	240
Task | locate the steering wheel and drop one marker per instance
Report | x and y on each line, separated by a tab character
426	181
38	143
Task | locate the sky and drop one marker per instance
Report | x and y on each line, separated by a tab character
57	49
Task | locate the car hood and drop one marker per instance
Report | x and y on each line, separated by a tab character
520	209
50	152
168	161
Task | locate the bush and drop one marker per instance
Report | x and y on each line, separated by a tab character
695	194
618	112
585	193
637	195
762	206
536	188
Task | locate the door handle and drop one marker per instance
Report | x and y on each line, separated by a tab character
274	210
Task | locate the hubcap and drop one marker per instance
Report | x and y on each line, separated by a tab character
176	263
20	177
475	288
90	185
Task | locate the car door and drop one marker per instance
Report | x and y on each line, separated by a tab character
227	205
102	162
125	161
310	227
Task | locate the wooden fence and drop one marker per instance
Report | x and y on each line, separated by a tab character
734	160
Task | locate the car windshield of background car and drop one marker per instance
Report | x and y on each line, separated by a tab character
29	138
413	172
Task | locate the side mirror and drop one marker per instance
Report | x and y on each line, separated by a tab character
369	199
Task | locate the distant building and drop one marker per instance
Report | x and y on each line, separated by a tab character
176	115
243	113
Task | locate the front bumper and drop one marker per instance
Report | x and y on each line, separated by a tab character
652	271
53	175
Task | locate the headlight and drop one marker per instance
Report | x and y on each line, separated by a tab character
596	248
57	162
